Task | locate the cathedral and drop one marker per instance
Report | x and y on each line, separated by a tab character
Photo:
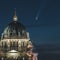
15	43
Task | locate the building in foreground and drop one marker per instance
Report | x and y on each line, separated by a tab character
15	43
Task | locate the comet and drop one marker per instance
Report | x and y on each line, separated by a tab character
37	16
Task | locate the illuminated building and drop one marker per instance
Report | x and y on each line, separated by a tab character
15	42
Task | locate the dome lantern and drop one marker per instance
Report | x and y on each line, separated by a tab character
15	16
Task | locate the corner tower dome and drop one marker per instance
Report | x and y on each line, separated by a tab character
15	29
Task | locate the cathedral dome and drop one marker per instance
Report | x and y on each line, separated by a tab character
15	29
16	26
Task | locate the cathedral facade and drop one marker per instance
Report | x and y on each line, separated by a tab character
15	43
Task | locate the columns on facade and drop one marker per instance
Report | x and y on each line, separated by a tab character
8	45
19	45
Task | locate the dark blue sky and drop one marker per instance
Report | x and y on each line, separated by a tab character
46	29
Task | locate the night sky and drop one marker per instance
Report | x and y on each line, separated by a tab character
41	18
